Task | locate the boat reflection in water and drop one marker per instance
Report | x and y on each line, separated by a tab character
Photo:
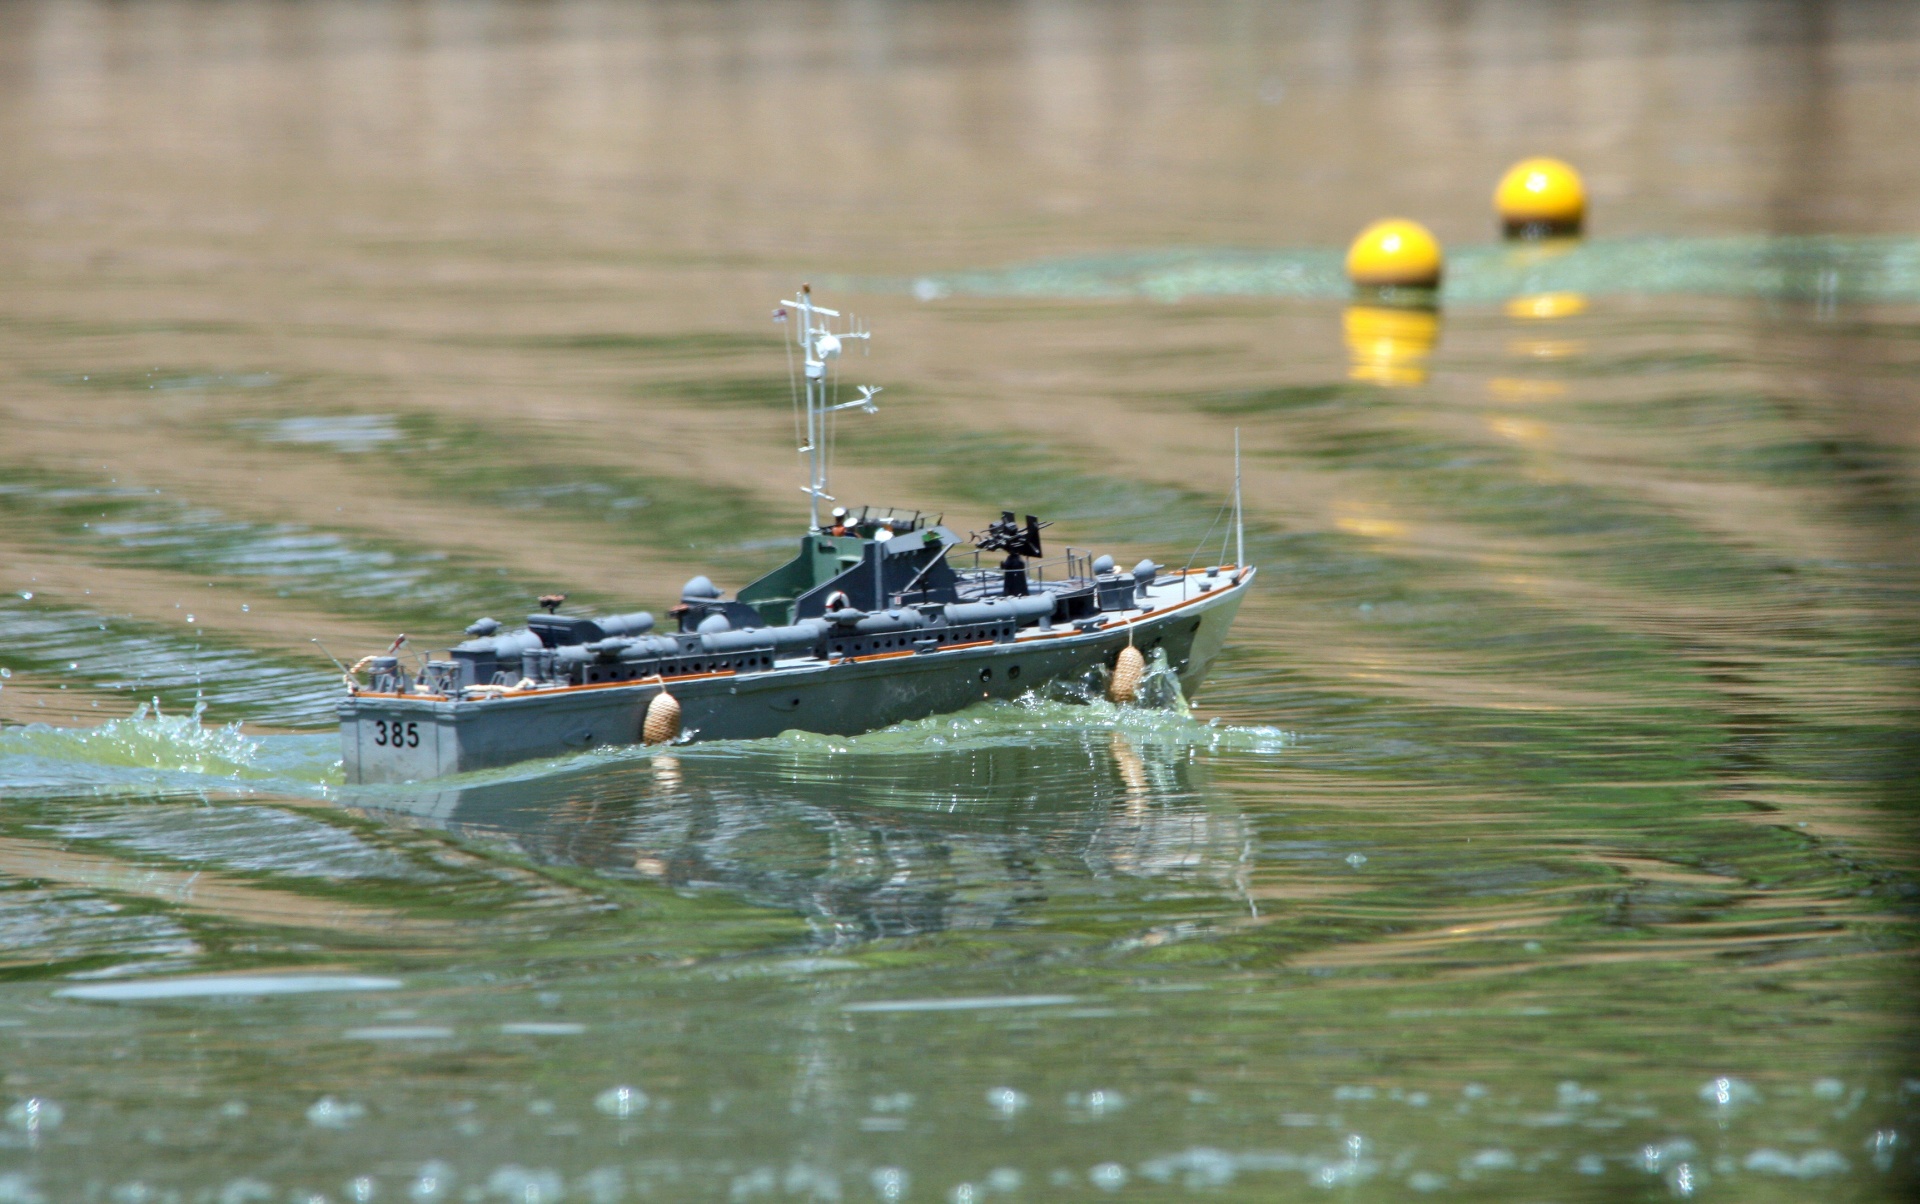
870	842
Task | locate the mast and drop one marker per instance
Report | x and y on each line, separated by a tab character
1239	515
818	343
814	370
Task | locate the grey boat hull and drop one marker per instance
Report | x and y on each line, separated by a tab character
398	738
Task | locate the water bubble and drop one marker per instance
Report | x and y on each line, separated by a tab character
189	618
607	1185
35	1115
1474	1091
331	1113
433	1181
1108	1176
1590	1164
1006	1101
1199	1166
1682	1179
1809	1165
1572	1095
1356	860
244	608
6	672
524	1186
1882	1144
1822	1162
233	1109
1426	1181
1654	1157
1828	1088
890	1182
27	594
1097	1103
245	1191
1728	1092
966	1193
1492	1160
621	1102
1004	1179
361	1189
1333	1174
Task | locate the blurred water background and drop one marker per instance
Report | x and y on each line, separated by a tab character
1545	834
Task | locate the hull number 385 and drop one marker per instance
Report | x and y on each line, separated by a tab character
396	733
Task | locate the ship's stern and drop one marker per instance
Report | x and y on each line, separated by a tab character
397	740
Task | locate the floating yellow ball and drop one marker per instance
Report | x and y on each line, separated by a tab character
1395	253
1541	198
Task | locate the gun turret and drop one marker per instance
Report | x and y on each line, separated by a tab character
1004	534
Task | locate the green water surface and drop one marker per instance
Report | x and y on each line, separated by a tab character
1544	834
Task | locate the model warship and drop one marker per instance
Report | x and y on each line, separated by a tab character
873	622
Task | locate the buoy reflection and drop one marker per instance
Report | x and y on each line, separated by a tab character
1532	308
1390	345
1545	306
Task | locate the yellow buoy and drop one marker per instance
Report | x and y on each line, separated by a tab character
1541	198
662	725
1395	253
1390	345
1124	686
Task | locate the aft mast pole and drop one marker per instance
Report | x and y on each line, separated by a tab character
1239	515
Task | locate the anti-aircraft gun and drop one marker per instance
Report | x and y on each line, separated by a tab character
1004	534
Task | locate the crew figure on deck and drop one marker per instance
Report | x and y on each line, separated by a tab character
1014	573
